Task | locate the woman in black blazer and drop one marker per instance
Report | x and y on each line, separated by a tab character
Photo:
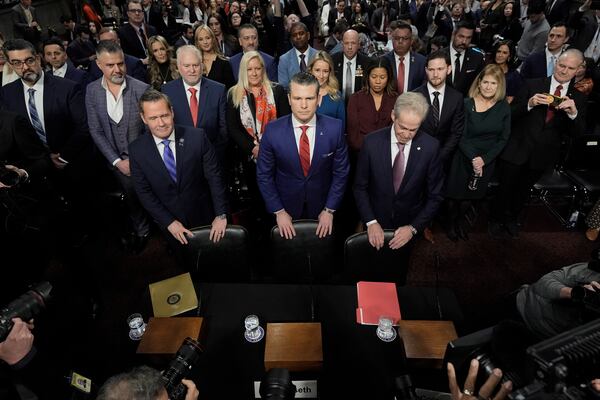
215	64
251	104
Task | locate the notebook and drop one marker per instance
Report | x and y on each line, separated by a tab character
377	299
173	296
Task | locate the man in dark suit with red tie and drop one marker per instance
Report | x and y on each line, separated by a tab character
399	178
134	35
176	174
198	101
535	142
466	62
302	166
408	66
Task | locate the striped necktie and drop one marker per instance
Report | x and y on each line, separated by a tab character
169	160
35	117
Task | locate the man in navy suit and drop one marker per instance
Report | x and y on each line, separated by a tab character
198	102
349	64
399	176
56	58
409	67
466	62
134	35
447	102
134	66
176	174
540	64
302	166
248	38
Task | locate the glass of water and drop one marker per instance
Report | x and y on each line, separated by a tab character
137	326
385	329
254	332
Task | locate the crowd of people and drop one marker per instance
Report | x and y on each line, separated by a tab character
364	116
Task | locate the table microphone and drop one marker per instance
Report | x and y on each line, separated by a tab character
310	287
436	254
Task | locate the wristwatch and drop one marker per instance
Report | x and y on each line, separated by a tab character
221	216
329	210
413	230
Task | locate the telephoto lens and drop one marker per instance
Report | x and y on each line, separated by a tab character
187	356
277	385
26	307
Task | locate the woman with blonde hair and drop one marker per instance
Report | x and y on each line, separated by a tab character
331	102
162	68
215	64
486	131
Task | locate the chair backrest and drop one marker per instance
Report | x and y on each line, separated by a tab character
584	153
224	261
305	258
365	263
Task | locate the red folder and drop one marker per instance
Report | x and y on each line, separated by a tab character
376	299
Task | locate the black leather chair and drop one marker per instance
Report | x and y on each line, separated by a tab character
305	258
583	167
364	263
554	189
224	261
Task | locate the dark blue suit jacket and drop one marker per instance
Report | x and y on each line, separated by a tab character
535	66
135	68
420	194
211	110
270	63
199	193
279	173
65	118
77	75
416	74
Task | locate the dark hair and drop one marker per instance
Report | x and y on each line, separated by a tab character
108	46
65	18
152	96
140	383
18	44
185	27
400	25
82	29
536	7
299	24
464	25
341	26
511	49
440	41
381	62
436	55
245	26
561	24
304	79
54	40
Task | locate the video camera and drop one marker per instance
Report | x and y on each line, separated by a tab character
26	307
185	359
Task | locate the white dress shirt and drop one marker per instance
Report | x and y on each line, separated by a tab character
188	95
310	132
441	91
353	68
60	71
161	147
38	99
406	69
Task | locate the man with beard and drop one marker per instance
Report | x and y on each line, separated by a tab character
112	103
466	62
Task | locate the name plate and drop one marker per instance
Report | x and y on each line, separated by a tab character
304	389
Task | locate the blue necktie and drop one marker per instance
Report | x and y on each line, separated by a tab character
169	160
550	66
35	118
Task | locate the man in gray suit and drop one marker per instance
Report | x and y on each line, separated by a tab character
25	22
114	122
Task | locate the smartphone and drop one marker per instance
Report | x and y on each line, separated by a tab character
554	100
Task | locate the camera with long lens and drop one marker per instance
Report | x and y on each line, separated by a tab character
9	177
589	298
187	356
26	307
277	385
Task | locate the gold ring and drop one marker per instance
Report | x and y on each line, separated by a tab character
468	392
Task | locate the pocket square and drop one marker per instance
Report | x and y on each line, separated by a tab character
327	155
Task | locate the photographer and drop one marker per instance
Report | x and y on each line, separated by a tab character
141	383
547	307
15	354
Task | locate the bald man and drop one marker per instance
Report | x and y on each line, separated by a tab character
350	64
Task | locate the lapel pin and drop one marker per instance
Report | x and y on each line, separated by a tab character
418	148
181	142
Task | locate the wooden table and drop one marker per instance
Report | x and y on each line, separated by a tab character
425	341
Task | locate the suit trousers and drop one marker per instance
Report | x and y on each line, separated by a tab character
139	217
515	182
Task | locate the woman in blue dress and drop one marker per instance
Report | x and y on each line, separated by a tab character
331	102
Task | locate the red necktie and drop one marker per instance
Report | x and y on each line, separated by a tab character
194	106
551	109
304	150
401	76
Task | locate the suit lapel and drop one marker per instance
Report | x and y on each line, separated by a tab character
127	100
293	146
202	99
155	157
47	100
385	149
318	148
413	159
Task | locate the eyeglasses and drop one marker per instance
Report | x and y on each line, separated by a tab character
136	11
19	63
